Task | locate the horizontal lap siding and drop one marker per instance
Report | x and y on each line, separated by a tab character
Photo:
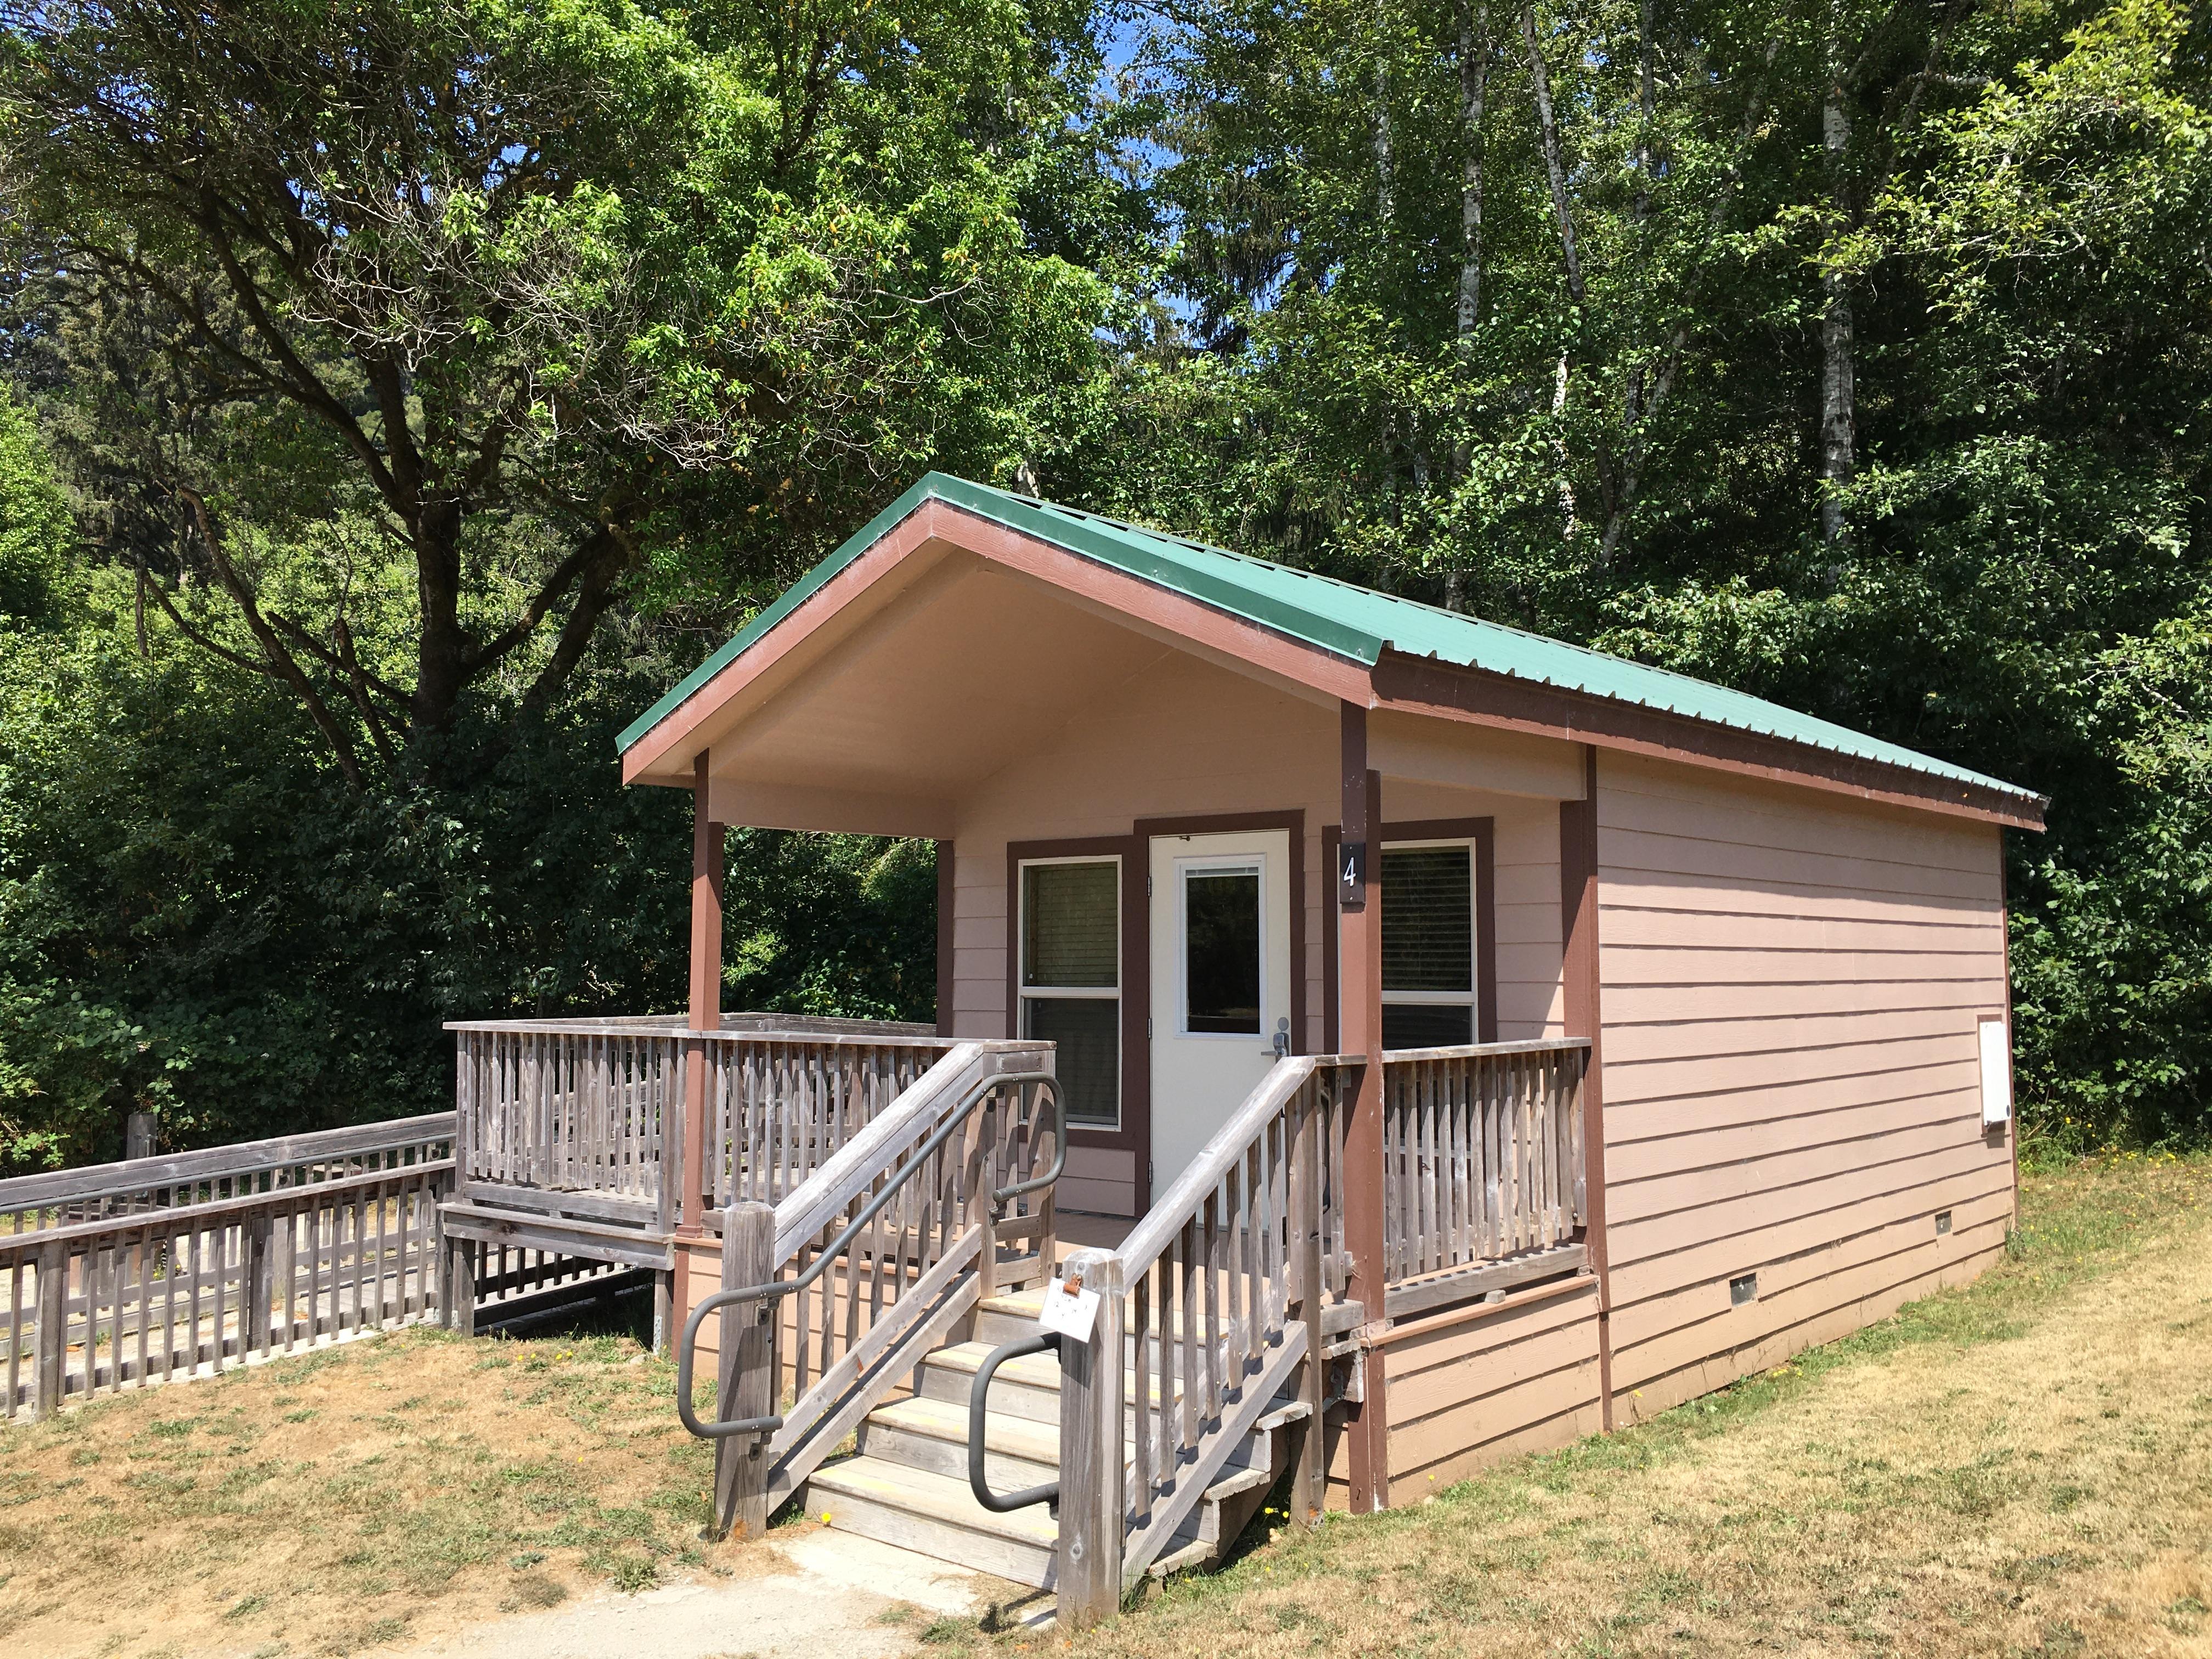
1525	1379
1527	923
1791	986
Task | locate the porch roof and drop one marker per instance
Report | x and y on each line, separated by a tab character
1355	625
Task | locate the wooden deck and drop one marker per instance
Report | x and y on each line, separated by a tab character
570	1133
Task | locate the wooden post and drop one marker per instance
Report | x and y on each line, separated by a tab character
50	1356
1580	981
460	1287
982	1177
745	1379
1094	1499
945	904
703	1014
140	1131
257	1240
1359	956
1310	1489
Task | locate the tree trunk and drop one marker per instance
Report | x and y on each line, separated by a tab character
442	667
1555	169
1474	89
1385	145
1838	403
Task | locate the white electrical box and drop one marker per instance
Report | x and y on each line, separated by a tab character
1997	1073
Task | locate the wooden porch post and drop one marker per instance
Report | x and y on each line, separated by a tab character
1359	895
945	905
703	1014
1579	982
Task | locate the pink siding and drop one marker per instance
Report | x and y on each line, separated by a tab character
1790	988
1523	1379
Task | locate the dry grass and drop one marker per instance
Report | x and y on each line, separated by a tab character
340	1501
2021	1467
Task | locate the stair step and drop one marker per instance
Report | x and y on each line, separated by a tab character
933	1435
936	1516
1013	1315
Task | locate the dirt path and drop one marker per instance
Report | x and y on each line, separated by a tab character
834	1594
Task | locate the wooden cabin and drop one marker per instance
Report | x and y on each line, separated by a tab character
1646	1032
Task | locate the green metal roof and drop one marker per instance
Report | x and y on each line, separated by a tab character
1356	623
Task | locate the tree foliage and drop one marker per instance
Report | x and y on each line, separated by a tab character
1854	355
402	337
405	394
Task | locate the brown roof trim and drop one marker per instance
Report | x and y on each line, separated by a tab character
1419	685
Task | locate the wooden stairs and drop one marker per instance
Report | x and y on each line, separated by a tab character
907	1482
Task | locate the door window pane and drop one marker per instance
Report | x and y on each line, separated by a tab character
1089	1032
1070	926
1221	951
1427	1025
1428	919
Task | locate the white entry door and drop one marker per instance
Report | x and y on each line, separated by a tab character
1221	982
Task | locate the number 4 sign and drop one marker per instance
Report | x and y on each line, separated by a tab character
1351	875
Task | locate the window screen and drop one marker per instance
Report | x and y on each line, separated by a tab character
1221	946
1071	934
1424	1026
1089	1063
1428	946
1428	919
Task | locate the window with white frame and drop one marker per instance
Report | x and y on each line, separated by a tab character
1071	979
1429	946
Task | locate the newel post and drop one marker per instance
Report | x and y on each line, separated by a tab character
1094	1500
1359	1019
746	1372
50	1353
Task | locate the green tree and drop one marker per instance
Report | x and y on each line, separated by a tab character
401	339
1851	354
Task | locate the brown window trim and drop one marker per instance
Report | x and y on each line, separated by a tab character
1135	1133
1483	832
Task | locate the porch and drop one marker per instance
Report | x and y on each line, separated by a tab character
570	1136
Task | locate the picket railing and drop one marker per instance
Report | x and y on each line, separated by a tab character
831	1296
128	1273
584	1117
1217	1298
781	1104
1482	1153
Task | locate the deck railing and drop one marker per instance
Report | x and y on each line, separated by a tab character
1482	1153
1219	1301
135	1273
584	1117
831	1296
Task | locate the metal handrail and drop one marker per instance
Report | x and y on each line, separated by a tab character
687	1347
979	1398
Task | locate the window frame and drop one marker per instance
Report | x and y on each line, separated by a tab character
1479	834
1470	999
